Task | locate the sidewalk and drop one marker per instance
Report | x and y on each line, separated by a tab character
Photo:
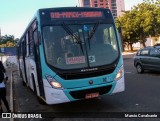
128	54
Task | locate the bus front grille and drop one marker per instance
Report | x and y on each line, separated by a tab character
80	94
68	76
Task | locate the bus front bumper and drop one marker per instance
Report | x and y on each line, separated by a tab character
55	96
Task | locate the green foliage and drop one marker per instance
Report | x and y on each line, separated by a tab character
8	41
140	22
128	25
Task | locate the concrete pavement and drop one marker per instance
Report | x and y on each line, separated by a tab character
13	71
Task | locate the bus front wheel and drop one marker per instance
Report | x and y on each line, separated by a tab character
41	101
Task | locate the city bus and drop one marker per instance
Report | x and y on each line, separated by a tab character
71	53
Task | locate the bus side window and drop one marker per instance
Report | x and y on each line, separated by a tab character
30	34
33	43
35	36
24	47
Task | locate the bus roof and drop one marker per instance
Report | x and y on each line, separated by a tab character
93	14
53	15
72	8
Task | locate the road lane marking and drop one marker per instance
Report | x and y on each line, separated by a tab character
127	72
11	94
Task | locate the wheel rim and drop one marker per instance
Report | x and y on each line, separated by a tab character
139	68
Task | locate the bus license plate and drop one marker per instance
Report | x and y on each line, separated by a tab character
92	95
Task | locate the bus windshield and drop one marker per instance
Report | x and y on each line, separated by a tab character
80	46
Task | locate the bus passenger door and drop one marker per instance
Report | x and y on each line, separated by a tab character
23	62
28	59
38	70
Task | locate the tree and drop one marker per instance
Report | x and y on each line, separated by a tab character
140	22
146	14
127	24
8	41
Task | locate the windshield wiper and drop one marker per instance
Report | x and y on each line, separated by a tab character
70	32
92	33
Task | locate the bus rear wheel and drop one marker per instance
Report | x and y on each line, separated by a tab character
34	85
23	82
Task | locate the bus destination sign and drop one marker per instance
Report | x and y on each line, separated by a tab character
82	14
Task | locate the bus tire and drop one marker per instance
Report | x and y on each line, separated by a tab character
23	83
41	101
20	73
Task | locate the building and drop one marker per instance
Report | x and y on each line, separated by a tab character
116	6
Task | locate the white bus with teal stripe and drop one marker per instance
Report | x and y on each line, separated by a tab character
68	54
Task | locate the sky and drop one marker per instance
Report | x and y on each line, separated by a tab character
16	14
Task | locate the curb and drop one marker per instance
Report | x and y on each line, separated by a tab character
128	53
11	94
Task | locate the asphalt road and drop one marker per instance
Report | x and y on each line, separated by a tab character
142	94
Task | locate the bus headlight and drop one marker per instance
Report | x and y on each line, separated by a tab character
119	74
53	82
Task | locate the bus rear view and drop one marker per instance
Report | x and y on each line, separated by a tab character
79	54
